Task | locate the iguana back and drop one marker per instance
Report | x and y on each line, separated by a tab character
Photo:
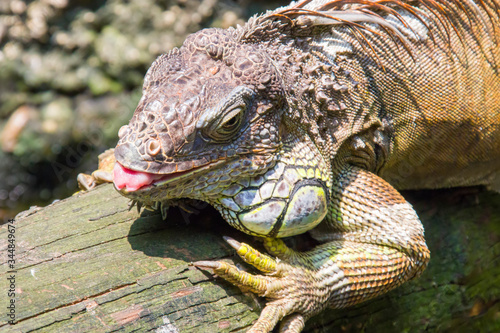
423	101
444	107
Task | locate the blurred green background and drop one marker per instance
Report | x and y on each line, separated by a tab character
70	76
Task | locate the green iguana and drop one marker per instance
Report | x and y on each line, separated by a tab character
307	119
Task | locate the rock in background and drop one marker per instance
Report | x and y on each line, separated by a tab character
70	76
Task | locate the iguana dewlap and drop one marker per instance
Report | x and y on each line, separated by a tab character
306	119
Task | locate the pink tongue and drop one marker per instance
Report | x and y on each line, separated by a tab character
130	179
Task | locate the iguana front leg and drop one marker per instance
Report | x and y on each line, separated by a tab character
373	242
103	174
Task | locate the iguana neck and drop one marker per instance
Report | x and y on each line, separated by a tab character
330	97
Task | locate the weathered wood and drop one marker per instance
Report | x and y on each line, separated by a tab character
88	264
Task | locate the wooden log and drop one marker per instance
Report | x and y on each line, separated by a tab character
87	263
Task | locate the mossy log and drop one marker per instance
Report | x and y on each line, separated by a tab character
87	263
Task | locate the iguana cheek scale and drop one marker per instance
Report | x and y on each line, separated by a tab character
306	119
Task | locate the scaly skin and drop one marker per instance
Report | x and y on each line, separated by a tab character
306	120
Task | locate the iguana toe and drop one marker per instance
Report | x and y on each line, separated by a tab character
291	283
103	174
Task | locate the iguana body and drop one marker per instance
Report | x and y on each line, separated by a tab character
306	119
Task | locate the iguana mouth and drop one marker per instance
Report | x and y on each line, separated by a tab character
132	180
128	180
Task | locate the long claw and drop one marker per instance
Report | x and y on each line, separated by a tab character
207	264
244	280
231	241
262	262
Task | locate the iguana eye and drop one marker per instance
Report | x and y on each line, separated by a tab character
229	124
223	121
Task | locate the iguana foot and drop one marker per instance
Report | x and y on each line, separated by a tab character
295	287
103	174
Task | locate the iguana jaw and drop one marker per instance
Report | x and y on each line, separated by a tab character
127	180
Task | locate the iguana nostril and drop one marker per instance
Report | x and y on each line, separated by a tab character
151	118
123	131
153	147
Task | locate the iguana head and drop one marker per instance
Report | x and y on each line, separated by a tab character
209	113
210	126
